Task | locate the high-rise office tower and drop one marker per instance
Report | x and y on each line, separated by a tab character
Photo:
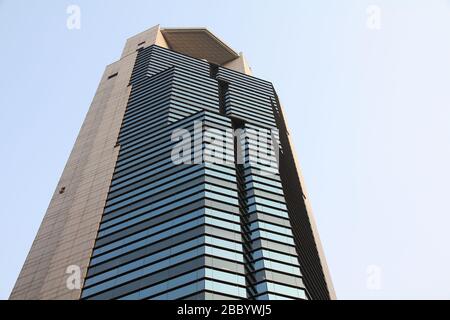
171	191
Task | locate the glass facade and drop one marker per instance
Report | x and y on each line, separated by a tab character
197	229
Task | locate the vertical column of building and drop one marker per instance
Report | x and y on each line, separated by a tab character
222	200
273	263
273	254
309	248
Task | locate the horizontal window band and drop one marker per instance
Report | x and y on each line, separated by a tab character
160	266
170	272
204	216
164	254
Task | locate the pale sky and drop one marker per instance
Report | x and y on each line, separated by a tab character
369	112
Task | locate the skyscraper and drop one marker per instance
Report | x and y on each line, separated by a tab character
182	184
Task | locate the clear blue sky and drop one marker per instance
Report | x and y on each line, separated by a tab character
369	113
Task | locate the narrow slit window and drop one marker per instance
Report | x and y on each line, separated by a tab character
223	92
213	70
113	75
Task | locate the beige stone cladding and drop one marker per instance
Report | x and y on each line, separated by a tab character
68	231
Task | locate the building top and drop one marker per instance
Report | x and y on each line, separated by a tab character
198	43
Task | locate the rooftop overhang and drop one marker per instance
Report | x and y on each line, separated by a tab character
199	43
